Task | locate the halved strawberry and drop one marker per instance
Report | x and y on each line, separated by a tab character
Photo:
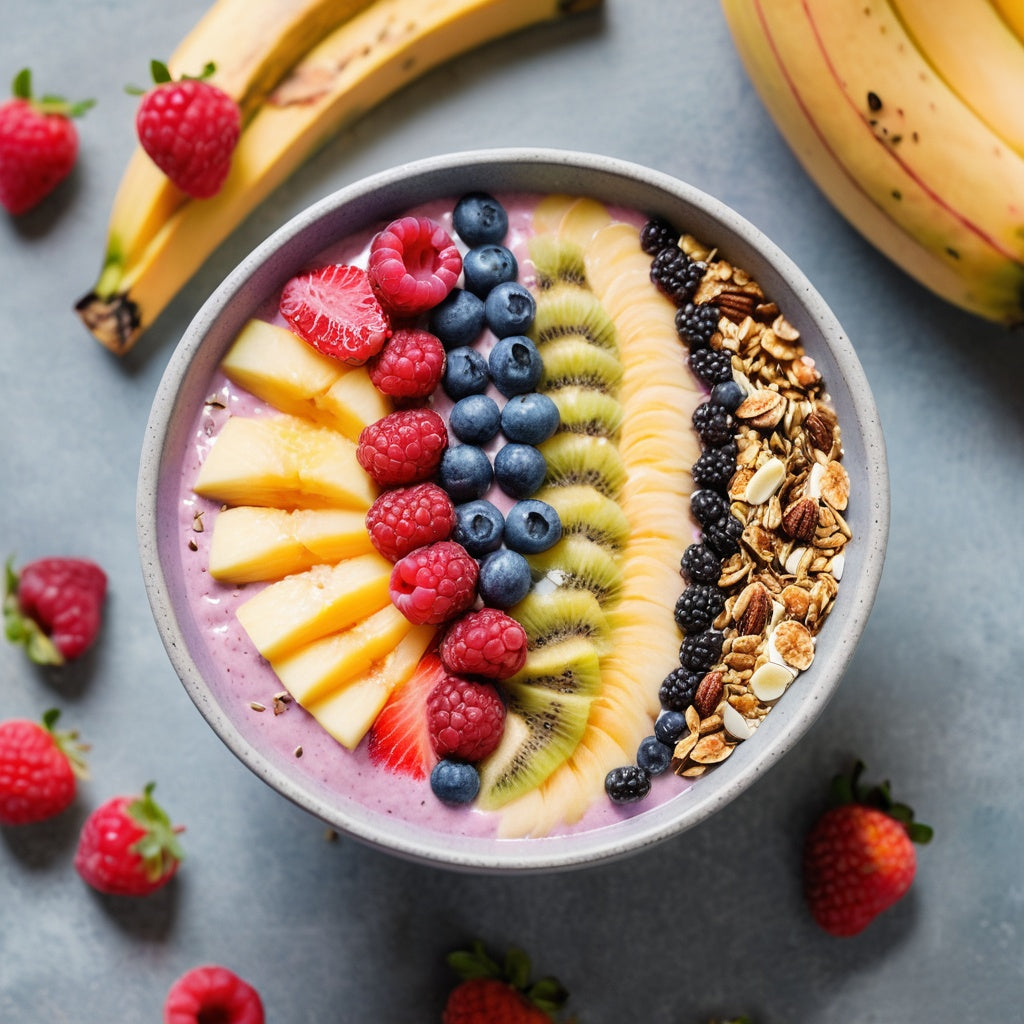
413	265
399	739
336	311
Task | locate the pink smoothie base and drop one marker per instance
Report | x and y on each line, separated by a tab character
239	676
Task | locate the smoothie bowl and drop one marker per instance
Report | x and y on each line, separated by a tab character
513	510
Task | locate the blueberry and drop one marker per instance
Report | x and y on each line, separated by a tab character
454	782
530	418
509	309
479	218
532	526
479	527
515	365
519	469
465	472
669	726
465	373
504	579
653	756
475	419
729	394
487	266
457	319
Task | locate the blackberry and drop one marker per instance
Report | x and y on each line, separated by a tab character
707	506
712	365
657	234
700	564
699	652
698	606
724	535
627	785
696	322
714	424
714	467
678	689
676	274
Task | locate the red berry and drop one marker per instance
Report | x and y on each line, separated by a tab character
413	264
334	309
859	857
212	993
402	520
189	128
465	718
487	643
409	365
37	770
403	447
54	607
128	846
398	739
490	1001
38	145
434	583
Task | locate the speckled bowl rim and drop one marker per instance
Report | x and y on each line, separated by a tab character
527	170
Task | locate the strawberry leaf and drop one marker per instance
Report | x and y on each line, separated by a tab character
517	968
159	847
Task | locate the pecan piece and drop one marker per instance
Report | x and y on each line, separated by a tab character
752	610
709	694
818	432
800	519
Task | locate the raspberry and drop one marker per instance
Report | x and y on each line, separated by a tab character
676	275
434	583
212	993
403	447
128	846
37	770
413	265
700	651
189	128
334	309
402	520
487	643
698	606
465	718
53	607
409	365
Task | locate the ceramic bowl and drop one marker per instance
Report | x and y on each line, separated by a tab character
185	387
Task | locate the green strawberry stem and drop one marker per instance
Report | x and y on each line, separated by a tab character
21	88
67	742
847	789
23	629
159	847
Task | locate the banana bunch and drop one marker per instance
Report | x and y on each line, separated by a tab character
908	115
300	70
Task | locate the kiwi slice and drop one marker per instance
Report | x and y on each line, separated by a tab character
577	562
588	411
574	360
569	666
566	310
557	261
584	459
585	510
562	614
542	729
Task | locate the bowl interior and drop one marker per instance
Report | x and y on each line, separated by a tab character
184	388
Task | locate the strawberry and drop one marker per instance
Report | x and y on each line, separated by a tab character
128	846
38	769
334	309
212	993
38	144
859	857
53	607
399	739
413	264
189	128
493	993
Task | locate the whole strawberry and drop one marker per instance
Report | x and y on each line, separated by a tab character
493	993
859	857
38	769
53	606
212	993
189	128
128	846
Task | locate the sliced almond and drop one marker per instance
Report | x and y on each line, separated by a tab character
738	727
770	681
765	482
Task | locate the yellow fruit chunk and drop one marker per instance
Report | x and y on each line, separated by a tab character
325	599
315	670
283	462
352	402
348	713
251	543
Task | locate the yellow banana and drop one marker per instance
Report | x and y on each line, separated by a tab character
895	149
253	44
1012	12
374	54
